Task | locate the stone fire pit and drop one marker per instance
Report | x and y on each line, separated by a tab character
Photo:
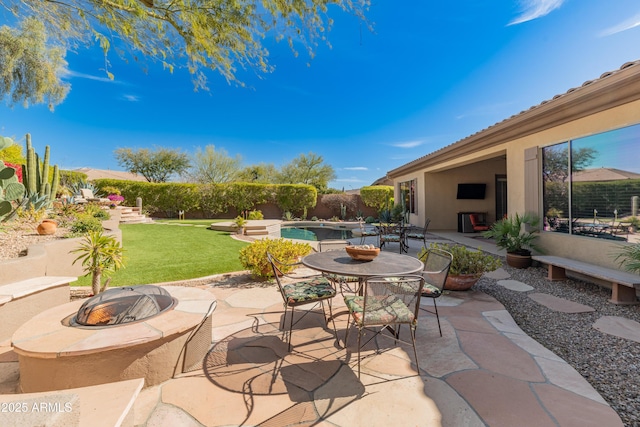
55	356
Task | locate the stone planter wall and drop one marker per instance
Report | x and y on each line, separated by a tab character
51	258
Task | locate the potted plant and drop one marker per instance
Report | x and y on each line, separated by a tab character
239	223
47	227
467	267
512	235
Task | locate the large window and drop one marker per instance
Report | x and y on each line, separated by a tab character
408	196
591	185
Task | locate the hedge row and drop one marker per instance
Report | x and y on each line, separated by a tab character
212	199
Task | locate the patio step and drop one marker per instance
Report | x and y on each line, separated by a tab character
256	232
132	215
261	228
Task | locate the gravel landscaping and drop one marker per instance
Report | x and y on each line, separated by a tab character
609	363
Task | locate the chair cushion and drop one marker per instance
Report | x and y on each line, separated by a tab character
431	291
381	310
390	237
415	236
341	279
308	290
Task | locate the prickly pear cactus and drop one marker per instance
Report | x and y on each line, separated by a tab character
10	188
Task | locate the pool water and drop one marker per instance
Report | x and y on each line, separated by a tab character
314	233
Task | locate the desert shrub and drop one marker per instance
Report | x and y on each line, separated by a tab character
85	224
94	210
256	215
254	256
466	260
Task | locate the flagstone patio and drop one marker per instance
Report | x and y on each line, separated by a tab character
483	371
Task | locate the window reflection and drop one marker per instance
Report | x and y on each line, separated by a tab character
599	198
408	196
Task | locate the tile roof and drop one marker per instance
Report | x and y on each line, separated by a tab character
603	174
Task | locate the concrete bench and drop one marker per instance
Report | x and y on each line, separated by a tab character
623	284
22	300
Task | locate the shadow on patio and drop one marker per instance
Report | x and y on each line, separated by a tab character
483	371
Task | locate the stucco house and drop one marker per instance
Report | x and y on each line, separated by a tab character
522	164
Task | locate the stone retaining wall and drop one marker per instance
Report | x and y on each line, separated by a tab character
52	258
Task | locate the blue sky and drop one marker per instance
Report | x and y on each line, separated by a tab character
429	74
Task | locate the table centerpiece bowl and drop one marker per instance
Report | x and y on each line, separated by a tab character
362	253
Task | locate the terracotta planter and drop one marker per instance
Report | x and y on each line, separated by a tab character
518	261
47	227
461	282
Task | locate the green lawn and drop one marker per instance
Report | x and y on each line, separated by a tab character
200	222
164	253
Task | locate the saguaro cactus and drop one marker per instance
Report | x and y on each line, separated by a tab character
36	179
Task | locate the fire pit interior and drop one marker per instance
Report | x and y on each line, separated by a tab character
117	306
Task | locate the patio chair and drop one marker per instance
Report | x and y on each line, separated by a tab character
393	233
310	290
419	234
337	279
364	233
477	224
386	304
87	195
436	269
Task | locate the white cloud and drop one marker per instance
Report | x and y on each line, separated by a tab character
131	98
628	24
408	144
74	74
356	168
534	9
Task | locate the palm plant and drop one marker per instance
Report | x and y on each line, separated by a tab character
511	236
100	254
629	258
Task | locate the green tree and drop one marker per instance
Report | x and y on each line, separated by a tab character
263	173
556	160
220	35
209	166
155	165
30	69
307	169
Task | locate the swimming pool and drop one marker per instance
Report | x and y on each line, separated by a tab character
315	233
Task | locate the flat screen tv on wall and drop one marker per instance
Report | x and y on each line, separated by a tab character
471	191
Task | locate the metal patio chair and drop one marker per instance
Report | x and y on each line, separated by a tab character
437	263
385	305
310	290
